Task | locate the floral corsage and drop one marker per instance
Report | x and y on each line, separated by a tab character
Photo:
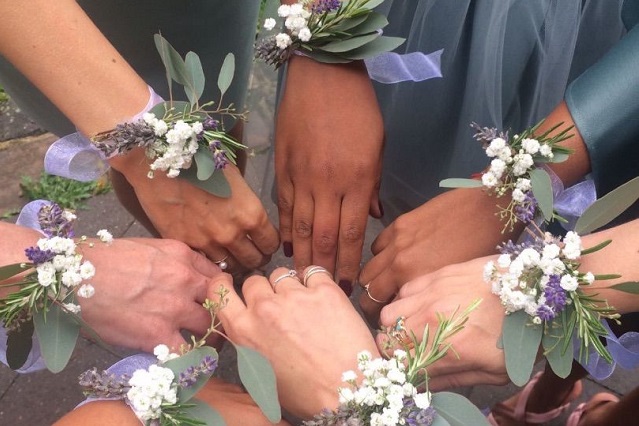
330	31
183	138
47	287
394	391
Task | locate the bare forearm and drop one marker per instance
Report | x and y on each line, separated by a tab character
58	48
13	240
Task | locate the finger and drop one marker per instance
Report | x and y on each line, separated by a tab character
256	288
234	305
285	200
376	209
197	321
303	229
352	228
220	257
374	267
383	239
325	232
265	236
473	377
174	343
282	279
315	276
370	304
204	266
246	253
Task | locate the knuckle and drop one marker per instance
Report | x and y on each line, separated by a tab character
400	263
303	228
324	169
325	243
267	309
352	233
284	203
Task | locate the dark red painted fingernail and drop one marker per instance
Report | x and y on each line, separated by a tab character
288	249
381	209
346	286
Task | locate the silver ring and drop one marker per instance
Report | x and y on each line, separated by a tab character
370	296
222	263
315	270
290	274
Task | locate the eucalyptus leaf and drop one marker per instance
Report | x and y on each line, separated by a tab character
608	207
182	363
173	62
521	341
631	287
57	333
350	43
225	78
374	21
439	421
196	80
347	24
457	410
379	45
460	183
204	162
258	378
205	413
560	360
216	184
327	58
9	271
371	4
19	344
542	190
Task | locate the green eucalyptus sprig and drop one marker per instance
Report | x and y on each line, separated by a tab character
330	31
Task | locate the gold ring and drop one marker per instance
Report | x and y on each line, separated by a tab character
316	270
222	263
368	293
290	274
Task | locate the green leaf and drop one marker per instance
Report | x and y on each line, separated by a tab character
350	43
173	62
460	183
347	24
258	378
439	421
195	88
374	21
379	45
631	287
596	248
216	184
521	342
182	363
560	360
608	207
603	277
57	334
204	162
327	58
9	271
542	190
457	410
19	343
371	4
225	78
205	413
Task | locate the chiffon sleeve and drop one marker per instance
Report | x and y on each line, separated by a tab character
604	103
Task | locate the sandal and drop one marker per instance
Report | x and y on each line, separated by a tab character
521	415
597	400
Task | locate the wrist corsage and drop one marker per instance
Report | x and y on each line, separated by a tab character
394	391
160	388
514	171
46	289
330	31
184	139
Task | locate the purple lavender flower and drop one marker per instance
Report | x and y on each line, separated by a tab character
554	294
219	156
104	384
38	256
325	6
189	377
526	210
415	416
546	313
53	223
210	124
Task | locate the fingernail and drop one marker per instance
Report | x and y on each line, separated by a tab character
381	209
346	287
288	249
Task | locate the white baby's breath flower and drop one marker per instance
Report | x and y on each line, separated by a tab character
68	216
495	147
546	151
489	180
518	195
569	283
422	400
87	270
283	41
86	291
72	307
504	260
269	24
284	10
531	146
589	277
304	34
349	376
105	236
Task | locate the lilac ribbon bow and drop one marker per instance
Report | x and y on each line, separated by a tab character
624	351
570	203
390	67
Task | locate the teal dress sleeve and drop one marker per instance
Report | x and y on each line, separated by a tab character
604	103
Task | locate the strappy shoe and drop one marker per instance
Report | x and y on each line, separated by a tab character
521	415
595	401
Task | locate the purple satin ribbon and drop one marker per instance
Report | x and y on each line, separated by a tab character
28	216
570	203
75	157
390	67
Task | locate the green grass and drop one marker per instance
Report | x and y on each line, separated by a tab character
3	95
69	194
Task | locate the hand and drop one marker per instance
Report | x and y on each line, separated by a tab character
311	335
146	291
452	288
453	227
235	227
328	147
